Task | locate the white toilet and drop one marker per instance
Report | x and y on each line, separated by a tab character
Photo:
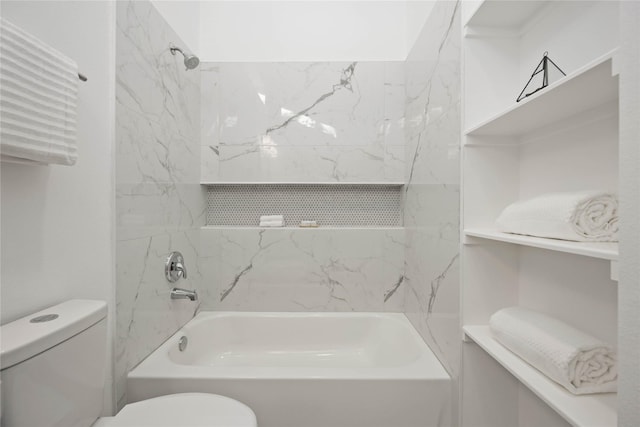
52	376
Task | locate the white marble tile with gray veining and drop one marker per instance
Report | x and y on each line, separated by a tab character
431	208
394	104
169	205
272	163
160	205
324	103
303	269
209	123
146	315
313	122
157	102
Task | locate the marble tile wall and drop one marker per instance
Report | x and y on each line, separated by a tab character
431	210
303	122
284	122
159	203
289	269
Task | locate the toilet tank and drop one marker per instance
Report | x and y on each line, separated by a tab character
53	366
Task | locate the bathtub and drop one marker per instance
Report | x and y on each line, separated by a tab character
304	369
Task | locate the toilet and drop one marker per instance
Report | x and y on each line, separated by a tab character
52	375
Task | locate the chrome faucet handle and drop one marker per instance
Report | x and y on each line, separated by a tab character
181	270
174	267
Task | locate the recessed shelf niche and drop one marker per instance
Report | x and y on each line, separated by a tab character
331	205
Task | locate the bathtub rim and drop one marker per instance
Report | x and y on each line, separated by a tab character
158	365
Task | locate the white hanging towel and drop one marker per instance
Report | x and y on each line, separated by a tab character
38	100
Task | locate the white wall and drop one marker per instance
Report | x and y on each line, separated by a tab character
417	12
299	30
303	31
629	287
57	221
183	16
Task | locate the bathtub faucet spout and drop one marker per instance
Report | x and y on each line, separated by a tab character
178	293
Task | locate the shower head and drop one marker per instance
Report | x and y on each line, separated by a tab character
190	61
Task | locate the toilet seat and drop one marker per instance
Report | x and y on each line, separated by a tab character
183	410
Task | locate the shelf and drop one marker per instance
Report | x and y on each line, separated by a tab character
584	90
509	15
601	250
289	228
595	410
385	183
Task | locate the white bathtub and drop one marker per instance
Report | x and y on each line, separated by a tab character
304	369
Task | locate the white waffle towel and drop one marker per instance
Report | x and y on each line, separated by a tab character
272	221
271	224
38	100
578	216
577	361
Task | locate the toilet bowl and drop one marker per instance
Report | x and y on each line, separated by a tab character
52	366
183	410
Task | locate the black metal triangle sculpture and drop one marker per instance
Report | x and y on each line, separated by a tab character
542	67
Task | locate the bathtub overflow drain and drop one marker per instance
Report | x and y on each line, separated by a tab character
182	344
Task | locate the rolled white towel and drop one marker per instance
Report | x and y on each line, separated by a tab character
577	216
577	361
269	218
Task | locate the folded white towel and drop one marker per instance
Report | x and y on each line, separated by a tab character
271	223
272	218
577	361
38	102
578	216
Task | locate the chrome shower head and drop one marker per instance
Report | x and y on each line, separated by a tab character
190	61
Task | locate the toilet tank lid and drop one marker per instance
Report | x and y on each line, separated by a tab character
24	338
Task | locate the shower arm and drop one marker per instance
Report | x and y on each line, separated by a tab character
174	48
191	61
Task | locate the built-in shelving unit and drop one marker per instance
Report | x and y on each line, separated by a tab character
509	15
587	88
580	411
602	250
562	138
